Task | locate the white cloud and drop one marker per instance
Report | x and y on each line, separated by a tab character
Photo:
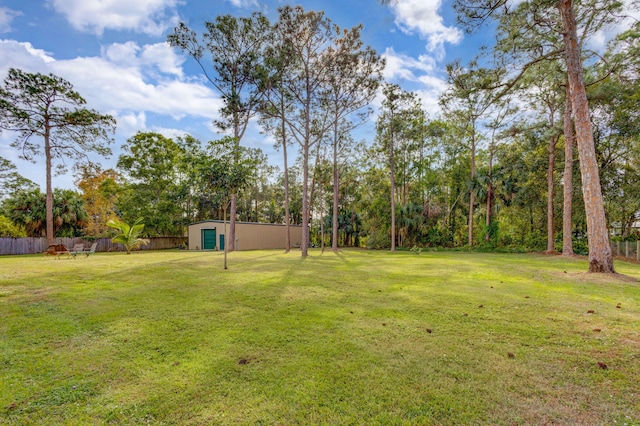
405	67
144	16
163	57
169	132
153	57
23	55
126	79
423	17
244	3
130	123
141	86
419	75
6	18
111	86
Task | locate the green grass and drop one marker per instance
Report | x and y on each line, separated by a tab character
171	338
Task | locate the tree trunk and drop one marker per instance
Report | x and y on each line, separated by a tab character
49	194
487	236
287	215
550	191
392	176
336	188
304	244
600	255
567	209
472	198
231	243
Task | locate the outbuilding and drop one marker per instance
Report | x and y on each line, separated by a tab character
210	235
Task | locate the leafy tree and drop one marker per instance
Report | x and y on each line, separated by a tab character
236	47
353	78
230	171
190	187
69	214
11	181
40	106
254	199
307	35
128	235
400	113
28	209
614	103
467	102
276	106
9	230
101	190
592	14
544	87
163	181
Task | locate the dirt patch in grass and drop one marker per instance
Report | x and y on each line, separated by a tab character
598	278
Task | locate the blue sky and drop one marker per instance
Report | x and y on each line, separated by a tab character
114	53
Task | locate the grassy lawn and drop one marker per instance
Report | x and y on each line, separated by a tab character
356	338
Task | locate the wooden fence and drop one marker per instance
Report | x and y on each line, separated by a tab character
39	245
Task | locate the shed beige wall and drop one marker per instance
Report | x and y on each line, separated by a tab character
250	236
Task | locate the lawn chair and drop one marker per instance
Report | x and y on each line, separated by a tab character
77	249
91	250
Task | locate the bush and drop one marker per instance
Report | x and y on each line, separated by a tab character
378	240
9	230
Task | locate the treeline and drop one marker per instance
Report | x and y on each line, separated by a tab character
497	168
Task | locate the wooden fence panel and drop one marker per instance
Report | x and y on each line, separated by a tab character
10	246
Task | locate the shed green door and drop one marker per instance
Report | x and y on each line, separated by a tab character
221	241
208	239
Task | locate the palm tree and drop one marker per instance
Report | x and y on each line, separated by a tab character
27	209
128	235
69	214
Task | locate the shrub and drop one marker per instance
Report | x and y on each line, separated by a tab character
10	230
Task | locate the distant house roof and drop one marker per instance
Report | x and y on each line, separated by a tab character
237	222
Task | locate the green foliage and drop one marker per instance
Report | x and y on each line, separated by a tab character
9	230
49	118
11	181
27	210
489	236
163	182
233	169
128	235
35	104
235	48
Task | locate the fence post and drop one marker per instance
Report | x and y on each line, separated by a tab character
626	249
638	250
617	248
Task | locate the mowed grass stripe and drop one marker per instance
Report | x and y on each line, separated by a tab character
358	337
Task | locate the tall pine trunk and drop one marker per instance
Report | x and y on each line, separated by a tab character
600	254
304	244
231	244
487	236
287	214
336	189
392	176
567	209
551	190
49	195
472	198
